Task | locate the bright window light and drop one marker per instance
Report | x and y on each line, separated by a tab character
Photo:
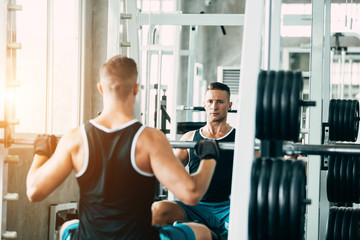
344	18
47	70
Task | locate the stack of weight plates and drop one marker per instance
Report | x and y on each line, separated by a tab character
343	120
277	200
343	223
278	105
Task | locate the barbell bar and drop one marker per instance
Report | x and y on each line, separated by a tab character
288	148
197	108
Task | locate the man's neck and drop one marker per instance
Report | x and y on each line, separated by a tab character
112	118
216	129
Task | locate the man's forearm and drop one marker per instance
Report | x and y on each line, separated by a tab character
38	161
32	179
204	175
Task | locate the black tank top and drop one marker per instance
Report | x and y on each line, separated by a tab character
115	196
220	185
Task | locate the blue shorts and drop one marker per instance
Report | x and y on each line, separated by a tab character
69	231
214	215
176	232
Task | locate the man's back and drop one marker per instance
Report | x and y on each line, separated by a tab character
115	195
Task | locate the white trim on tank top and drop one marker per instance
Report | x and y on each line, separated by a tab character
200	131
108	130
132	154
86	152
86	144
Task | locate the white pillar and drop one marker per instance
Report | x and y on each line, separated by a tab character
316	80
245	128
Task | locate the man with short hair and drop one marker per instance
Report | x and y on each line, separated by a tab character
116	160
213	209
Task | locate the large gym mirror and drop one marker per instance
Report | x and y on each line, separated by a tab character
183	60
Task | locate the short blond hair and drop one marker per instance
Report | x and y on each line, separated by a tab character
119	73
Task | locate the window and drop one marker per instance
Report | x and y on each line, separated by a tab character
47	66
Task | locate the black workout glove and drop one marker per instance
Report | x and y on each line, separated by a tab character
207	149
45	144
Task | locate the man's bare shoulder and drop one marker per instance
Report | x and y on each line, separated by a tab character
152	135
72	139
189	136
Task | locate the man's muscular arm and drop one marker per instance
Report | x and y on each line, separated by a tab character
181	153
49	170
156	150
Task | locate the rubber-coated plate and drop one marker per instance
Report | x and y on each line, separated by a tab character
352	120
341	120
284	199
330	178
347	131
276	105
295	115
285	105
331	119
346	223
356	120
297	197
337	179
259	105
342	188
262	198
270	78
355	176
255	173
273	199
336	120
353	231
349	180
331	223
338	222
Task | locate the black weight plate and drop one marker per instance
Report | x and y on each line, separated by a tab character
337	179
295	114
330	178
342	188
255	173
297	197
262	198
336	119
341	119
276	105
273	199
357	175
356	179
356	120
285	105
346	223
259	105
331	119
338	222
347	132
354	231
331	223
349	179
284	199
270	78
352	120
